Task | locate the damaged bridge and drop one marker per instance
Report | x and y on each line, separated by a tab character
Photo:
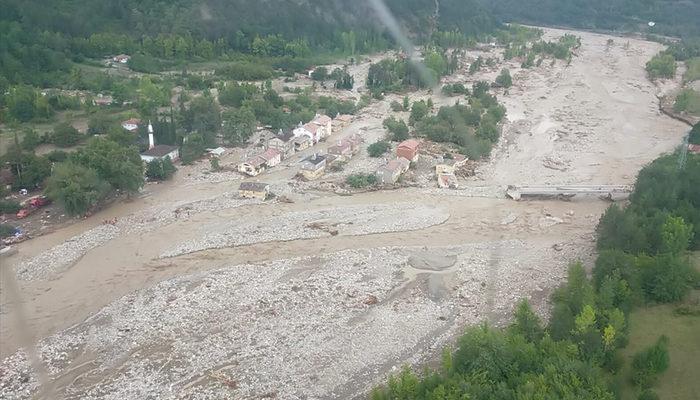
564	192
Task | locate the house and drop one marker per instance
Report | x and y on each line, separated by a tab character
408	149
158	152
101	100
302	143
121	58
217	152
318	128
272	157
131	125
253	166
254	190
313	166
283	142
450	165
343	120
694	148
392	171
342	150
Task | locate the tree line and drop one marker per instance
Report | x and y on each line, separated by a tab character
642	259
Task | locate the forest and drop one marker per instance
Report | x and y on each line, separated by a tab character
643	259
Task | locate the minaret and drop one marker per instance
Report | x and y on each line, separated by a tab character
151	139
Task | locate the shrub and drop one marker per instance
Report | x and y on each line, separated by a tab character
650	362
396	106
661	66
358	181
378	148
9	207
504	79
6	230
648	394
397	128
158	170
688	100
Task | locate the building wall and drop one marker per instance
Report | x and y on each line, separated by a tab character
311	175
250	194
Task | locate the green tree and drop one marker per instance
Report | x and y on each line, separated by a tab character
192	148
65	135
406	103
397	128
675	235
76	187
30	140
527	323
239	125
320	74
661	66
650	362
119	166
160	170
504	79
419	110
101	123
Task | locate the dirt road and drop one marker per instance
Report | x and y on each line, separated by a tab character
265	314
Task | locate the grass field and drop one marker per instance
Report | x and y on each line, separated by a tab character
682	380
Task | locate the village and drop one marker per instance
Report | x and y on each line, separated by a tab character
301	242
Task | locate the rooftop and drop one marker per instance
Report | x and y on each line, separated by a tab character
412	144
159	150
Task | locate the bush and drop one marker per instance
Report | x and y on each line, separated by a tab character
688	100
650	362
30	140
359	181
396	106
9	207
246	71
661	66
320	74
378	149
57	156
76	187
158	170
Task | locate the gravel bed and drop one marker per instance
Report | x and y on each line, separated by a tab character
346	221
275	329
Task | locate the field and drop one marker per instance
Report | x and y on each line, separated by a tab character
681	381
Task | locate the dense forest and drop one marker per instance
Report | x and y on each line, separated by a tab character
674	17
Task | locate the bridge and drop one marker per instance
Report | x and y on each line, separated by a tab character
565	192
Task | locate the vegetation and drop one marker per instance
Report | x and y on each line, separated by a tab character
578	349
9	207
504	79
688	100
692	72
397	128
6	230
694	135
65	135
160	170
455	89
378	149
76	187
359	181
661	66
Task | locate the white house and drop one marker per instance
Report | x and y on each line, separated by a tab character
319	128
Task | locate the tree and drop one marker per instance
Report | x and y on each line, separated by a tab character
76	187
192	148
30	140
377	149
160	170
101	123
29	170
343	80
675	235
418	111
234	94
239	125
359	181
119	166
661	66
527	323
504	79
397	128
65	135
406	103
694	136
320	74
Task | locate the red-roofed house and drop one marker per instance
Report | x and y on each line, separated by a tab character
408	149
131	125
391	172
694	148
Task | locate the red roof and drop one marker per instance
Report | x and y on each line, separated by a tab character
694	148
322	120
256	161
312	128
411	144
